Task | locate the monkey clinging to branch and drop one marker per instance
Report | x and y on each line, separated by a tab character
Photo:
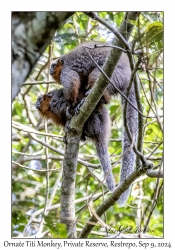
77	72
97	128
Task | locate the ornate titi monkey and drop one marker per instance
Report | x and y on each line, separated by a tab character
97	128
77	72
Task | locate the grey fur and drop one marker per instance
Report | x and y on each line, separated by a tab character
97	128
80	70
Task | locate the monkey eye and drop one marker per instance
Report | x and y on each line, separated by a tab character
49	94
53	65
40	98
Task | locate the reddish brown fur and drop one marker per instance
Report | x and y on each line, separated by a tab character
44	110
57	71
76	93
44	104
97	128
75	90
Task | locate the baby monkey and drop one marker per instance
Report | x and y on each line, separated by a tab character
53	105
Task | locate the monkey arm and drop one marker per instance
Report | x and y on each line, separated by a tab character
71	83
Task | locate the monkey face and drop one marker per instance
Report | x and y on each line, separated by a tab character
55	69
52	106
43	103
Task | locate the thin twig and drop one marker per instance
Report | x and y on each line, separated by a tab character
25	128
61	152
111	201
148	156
107	25
123	95
38	83
156	196
106	46
36	170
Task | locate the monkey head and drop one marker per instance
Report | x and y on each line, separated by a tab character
43	103
52	106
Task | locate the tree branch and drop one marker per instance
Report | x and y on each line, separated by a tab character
67	214
29	40
112	199
154	174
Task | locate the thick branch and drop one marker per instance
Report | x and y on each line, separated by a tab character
101	83
31	33
67	214
112	199
136	80
154	174
112	29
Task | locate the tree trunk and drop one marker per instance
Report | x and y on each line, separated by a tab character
31	33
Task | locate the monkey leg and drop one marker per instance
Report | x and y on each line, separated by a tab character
91	80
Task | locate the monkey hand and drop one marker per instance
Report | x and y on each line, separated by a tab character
69	112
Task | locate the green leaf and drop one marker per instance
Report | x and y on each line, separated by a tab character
153	33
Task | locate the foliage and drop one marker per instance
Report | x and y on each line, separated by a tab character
29	186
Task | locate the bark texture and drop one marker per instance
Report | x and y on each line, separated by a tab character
67	214
31	33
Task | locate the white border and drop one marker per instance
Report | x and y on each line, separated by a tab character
5	100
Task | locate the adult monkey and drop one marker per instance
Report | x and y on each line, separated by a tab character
97	127
77	72
120	76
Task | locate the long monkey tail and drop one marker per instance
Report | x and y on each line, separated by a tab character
104	158
128	160
98	129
